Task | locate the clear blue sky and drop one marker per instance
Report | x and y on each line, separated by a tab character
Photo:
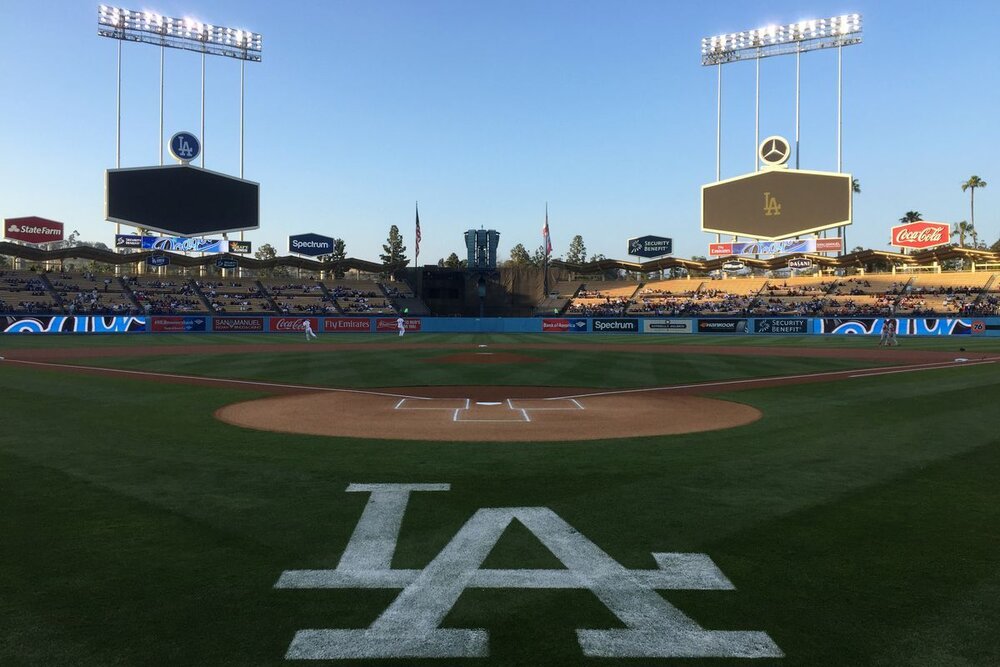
485	111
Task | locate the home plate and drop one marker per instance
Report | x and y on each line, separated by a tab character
491	411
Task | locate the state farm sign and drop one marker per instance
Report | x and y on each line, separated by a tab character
33	230
921	235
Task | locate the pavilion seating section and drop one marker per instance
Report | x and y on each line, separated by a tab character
84	293
167	295
24	292
299	296
234	296
360	297
603	299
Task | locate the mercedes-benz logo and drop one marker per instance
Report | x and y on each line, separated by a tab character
774	151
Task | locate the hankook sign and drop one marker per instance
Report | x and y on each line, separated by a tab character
776	204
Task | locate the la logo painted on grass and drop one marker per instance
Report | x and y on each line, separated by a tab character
410	626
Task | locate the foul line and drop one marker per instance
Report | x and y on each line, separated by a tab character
204	378
911	370
858	373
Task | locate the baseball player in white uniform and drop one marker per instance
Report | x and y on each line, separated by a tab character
309	331
401	325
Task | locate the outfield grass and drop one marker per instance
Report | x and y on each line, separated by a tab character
857	520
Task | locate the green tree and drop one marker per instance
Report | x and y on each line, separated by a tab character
265	251
538	257
962	228
393	257
971	185
855	186
912	216
338	254
996	246
519	255
453	262
577	251
598	257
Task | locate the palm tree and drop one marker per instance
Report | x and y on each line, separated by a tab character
971	185
962	228
912	216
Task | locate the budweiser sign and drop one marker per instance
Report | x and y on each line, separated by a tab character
921	235
33	230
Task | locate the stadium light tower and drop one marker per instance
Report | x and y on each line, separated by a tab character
778	40
178	33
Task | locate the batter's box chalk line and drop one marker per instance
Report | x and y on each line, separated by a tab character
511	410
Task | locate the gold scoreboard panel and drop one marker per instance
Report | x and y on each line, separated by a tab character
777	204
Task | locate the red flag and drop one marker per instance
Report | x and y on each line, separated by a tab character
545	233
417	236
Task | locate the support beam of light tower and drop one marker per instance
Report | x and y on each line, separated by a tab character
778	40
143	27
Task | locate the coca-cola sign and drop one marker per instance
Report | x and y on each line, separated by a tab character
293	324
33	230
921	235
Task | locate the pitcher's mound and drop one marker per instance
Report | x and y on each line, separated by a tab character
467	416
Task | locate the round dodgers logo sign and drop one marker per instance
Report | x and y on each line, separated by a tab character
184	147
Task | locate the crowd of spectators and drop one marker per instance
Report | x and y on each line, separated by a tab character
850	297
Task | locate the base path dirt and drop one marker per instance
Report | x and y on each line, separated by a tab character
504	414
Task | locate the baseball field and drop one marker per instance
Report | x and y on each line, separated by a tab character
213	499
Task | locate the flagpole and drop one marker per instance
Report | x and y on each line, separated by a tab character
545	260
416	259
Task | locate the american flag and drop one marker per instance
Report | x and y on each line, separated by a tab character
545	234
417	236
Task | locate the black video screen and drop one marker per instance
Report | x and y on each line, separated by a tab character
183	200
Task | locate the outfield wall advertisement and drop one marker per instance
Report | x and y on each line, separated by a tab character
347	324
865	326
177	324
800	326
615	325
724	326
667	326
779	325
72	324
564	325
387	324
238	324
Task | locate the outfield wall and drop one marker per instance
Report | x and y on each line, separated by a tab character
768	326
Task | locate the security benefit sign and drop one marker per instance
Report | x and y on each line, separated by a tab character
410	627
777	204
650	246
779	325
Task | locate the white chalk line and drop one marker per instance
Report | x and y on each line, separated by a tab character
929	366
205	378
963	364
